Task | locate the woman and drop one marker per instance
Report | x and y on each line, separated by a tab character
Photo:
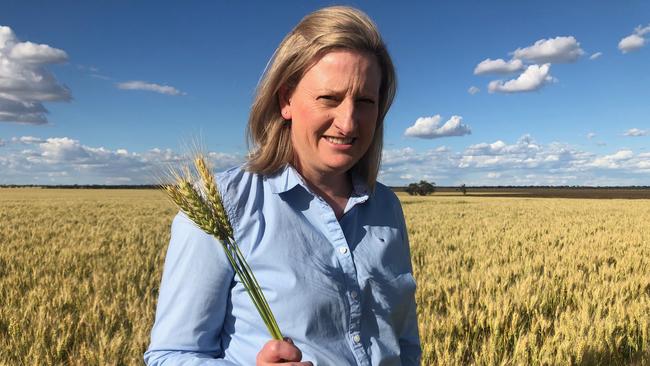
327	243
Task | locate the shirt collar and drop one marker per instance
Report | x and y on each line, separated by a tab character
284	180
287	178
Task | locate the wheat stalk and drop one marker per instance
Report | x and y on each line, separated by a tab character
204	207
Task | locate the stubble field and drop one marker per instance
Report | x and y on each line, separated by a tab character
501	281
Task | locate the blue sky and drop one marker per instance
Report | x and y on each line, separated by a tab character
490	92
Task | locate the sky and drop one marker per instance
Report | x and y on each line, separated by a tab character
489	92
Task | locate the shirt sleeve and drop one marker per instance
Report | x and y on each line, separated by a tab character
409	340
192	302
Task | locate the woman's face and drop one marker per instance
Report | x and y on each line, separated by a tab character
333	112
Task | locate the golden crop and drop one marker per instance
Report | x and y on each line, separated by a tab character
501	281
513	281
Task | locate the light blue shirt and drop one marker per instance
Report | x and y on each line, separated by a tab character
343	290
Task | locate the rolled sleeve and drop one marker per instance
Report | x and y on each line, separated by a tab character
192	301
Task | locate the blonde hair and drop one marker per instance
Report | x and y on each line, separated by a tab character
336	27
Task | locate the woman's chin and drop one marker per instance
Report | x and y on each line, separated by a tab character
340	167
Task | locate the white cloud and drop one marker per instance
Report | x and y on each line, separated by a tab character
27	140
473	90
591	135
397	156
63	160
429	127
525	145
595	55
143	85
642	31
613	161
634	41
635	132
37	53
621	155
521	163
532	79
527	162
498	66
524	154
552	50
631	43
24	81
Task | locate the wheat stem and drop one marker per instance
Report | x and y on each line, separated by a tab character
208	213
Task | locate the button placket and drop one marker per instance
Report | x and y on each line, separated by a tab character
346	260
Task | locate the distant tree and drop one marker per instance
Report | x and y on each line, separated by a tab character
422	189
463	189
425	188
412	189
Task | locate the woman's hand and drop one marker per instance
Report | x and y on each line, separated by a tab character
283	353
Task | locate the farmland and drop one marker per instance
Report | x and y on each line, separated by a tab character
501	280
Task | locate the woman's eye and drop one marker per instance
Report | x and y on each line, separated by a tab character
326	97
367	101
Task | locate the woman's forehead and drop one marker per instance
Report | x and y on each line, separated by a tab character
342	71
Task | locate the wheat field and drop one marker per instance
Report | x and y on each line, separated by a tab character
501	281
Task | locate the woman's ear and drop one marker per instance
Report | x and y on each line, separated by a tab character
284	97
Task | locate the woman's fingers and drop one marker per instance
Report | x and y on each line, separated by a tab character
282	353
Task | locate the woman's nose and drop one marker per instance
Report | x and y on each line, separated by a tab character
345	120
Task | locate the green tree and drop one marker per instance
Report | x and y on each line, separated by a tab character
425	188
412	189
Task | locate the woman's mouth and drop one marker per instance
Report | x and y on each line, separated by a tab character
340	140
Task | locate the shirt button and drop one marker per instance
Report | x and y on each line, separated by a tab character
356	338
343	250
353	294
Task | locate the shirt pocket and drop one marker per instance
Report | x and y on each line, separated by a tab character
391	300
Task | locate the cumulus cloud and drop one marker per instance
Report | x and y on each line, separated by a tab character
642	31
591	135
595	55
525	145
525	162
27	140
429	127
635	40
63	160
533	78
25	83
143	85
631	43
37	53
498	66
635	132
473	90
613	161
552	50
585	168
